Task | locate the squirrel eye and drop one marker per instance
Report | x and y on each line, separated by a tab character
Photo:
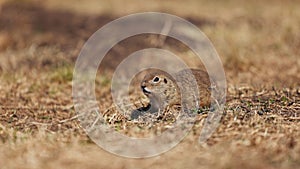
155	79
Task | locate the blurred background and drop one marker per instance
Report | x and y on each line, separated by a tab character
250	36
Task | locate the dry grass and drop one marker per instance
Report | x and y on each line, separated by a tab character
259	44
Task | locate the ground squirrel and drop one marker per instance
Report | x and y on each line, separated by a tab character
163	90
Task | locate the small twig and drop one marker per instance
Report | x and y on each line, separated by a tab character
38	123
72	118
94	123
165	31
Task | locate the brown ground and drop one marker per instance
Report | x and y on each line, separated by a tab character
259	44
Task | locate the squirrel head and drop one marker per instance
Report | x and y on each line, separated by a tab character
159	86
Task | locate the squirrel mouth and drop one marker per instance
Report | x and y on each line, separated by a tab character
145	90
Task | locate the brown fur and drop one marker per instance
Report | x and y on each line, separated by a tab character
166	91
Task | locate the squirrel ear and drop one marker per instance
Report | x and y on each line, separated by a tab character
165	80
